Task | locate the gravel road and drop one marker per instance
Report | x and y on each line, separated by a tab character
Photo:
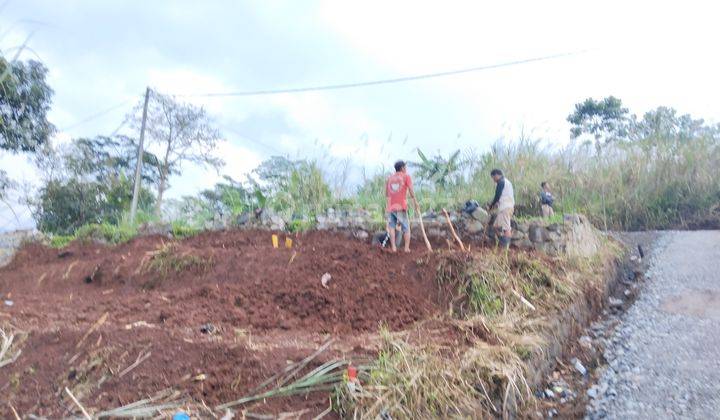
664	357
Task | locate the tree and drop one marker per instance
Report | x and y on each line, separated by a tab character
605	120
438	170
25	100
291	186
182	133
6	184
663	123
87	182
229	197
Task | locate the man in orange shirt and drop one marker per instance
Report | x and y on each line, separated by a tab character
396	189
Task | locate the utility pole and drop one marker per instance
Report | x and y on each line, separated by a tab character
138	165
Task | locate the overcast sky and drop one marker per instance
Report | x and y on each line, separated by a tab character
103	53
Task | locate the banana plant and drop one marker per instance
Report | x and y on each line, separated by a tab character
437	170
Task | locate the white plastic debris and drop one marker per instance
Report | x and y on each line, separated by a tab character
325	279
579	367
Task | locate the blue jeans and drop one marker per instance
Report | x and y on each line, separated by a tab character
401	217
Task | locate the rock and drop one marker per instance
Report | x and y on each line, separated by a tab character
523	244
155	229
242	219
429	215
522	227
571	218
585	342
579	366
549	394
582	238
272	220
207	328
435	233
474	226
615	303
553	227
554	237
518	234
480	215
537	233
361	234
592	392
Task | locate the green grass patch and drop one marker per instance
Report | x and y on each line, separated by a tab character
97	232
182	229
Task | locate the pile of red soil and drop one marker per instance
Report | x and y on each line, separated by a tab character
226	305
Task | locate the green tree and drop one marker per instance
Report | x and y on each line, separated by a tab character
663	123
87	182
604	120
183	133
228	197
291	186
25	99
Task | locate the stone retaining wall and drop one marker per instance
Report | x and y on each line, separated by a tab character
11	241
574	235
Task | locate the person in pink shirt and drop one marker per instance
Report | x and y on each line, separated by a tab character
396	189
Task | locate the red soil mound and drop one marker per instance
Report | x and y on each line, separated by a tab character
266	306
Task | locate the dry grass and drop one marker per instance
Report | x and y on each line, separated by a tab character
9	347
167	260
428	381
486	376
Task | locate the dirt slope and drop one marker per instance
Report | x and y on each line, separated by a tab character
266	307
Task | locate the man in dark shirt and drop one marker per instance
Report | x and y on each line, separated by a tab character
546	200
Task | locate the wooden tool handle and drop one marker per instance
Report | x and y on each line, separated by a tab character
452	230
422	225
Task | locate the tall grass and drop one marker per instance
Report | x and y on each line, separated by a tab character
653	183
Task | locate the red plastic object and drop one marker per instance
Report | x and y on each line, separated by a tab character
352	373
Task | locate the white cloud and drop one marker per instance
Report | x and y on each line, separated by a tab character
239	161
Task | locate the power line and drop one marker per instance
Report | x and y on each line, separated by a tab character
384	81
243	137
97	115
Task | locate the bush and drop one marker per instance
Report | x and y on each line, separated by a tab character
182	229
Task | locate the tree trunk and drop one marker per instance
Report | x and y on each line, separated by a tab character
164	171
161	190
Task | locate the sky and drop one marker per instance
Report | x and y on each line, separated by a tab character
102	54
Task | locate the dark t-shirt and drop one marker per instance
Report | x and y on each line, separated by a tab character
546	198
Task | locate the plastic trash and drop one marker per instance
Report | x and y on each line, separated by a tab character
180	416
325	279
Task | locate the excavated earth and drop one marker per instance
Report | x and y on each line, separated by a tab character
211	316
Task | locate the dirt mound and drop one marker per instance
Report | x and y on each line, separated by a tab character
235	277
224	306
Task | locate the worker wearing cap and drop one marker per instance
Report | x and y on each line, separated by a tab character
396	189
504	204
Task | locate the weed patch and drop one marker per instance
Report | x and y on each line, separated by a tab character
168	261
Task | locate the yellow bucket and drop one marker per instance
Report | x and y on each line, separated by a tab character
288	243
275	241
